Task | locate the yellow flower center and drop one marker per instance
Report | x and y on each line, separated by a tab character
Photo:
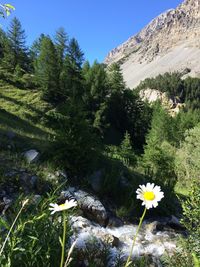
149	196
62	205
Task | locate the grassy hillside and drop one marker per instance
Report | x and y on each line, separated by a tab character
22	114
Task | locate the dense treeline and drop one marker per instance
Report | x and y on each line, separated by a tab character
57	68
184	90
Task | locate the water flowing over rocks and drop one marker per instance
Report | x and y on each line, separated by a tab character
97	230
118	240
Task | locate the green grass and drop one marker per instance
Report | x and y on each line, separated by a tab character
23	112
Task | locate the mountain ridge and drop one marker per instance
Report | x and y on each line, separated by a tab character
163	40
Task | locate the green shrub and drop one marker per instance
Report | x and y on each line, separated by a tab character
188	157
189	251
191	219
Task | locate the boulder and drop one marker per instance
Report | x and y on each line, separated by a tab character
31	156
89	204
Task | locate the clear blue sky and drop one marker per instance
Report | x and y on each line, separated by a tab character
98	25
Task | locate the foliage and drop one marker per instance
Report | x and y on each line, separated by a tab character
61	42
6	9
124	152
183	90
25	246
189	252
75	145
188	157
17	51
191	218
46	69
159	154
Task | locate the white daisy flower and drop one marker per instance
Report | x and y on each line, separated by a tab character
150	195
67	205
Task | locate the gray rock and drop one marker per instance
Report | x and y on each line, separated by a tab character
5	204
89	204
32	156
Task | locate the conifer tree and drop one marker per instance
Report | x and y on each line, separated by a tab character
159	154
71	82
18	50
3	39
35	49
115	78
75	54
61	41
126	151
46	69
96	89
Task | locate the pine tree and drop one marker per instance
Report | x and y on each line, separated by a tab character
2	42
18	51
35	49
161	129
75	145
61	41
46	69
115	78
159	154
126	151
71	82
75	54
95	82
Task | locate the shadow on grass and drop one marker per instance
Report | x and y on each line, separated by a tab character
15	123
19	103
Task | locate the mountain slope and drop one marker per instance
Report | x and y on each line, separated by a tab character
170	42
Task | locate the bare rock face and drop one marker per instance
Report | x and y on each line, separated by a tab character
171	105
170	42
152	95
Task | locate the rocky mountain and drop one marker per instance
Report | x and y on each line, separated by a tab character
170	42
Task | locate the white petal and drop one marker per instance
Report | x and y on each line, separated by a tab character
155	204
53	212
52	205
157	188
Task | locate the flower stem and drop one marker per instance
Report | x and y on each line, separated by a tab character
134	240
63	240
13	224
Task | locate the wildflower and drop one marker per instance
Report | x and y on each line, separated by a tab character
67	205
150	195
